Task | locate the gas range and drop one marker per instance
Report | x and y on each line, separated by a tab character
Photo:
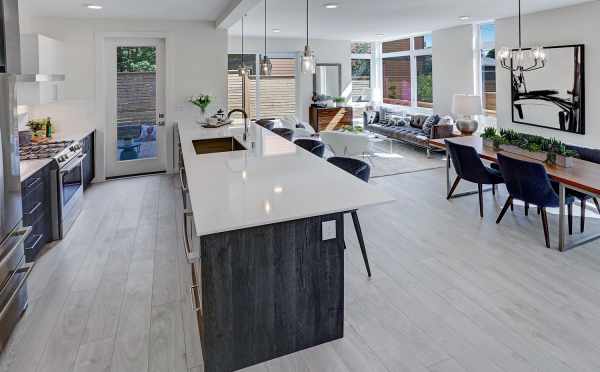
61	151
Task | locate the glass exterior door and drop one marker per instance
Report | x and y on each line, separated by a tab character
135	106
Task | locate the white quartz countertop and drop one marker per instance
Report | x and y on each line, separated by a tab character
273	181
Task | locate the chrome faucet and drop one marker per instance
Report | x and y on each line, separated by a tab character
245	115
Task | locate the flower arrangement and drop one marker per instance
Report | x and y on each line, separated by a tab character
201	100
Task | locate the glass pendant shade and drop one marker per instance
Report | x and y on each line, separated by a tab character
308	61
266	67
520	59
242	71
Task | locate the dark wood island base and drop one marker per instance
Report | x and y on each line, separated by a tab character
269	291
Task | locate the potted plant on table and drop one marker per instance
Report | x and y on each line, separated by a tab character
558	154
339	101
488	136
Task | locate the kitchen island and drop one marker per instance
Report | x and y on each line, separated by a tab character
266	242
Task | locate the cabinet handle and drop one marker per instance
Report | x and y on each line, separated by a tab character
33	183
183	185
193	298
39	237
191	256
35	208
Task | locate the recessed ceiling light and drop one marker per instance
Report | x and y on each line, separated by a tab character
276	30
331	6
93	6
464	18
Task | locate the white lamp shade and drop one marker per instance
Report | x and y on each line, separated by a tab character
466	105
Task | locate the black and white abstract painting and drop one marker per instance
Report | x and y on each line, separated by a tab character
554	96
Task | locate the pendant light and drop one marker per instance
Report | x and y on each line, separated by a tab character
243	70
522	60
266	67
308	60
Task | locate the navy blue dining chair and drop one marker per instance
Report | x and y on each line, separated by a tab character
529	182
286	133
313	146
591	155
469	167
266	123
361	170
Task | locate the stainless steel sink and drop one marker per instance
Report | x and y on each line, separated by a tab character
215	145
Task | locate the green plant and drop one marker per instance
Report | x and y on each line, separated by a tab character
339	99
489	133
38	126
351	129
498	140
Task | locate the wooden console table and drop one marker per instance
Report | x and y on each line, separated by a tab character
330	118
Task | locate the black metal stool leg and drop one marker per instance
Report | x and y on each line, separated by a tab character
361	241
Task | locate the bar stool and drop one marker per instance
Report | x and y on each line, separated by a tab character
284	132
266	123
313	146
361	170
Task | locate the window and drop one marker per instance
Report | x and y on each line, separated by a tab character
361	48
397	81
424	82
423	42
266	96
361	72
408	72
487	39
396	46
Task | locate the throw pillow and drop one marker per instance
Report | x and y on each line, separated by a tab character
430	122
371	116
383	117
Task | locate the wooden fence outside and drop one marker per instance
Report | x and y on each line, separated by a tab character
136	97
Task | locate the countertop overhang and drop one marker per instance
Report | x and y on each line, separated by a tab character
272	181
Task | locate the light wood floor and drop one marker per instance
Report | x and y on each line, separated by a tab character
450	292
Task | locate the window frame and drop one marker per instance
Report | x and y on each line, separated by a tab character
484	45
413	54
368	56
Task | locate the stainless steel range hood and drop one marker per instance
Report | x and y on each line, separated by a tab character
40	78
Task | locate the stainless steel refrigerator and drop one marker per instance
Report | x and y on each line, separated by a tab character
13	271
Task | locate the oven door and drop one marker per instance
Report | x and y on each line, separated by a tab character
70	192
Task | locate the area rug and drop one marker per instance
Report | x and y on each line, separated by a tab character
390	158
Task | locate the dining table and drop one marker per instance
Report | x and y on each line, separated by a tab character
583	176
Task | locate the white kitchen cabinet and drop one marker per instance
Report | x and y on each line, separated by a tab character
43	57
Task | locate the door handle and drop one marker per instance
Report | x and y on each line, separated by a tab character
161	123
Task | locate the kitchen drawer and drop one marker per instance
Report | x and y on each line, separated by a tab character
32	183
41	230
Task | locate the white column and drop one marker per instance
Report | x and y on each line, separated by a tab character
376	73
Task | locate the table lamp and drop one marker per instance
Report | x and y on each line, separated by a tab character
465	106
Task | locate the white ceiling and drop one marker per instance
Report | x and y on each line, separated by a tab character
363	19
353	20
207	10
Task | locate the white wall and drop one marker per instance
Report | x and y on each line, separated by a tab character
572	25
196	58
452	66
325	51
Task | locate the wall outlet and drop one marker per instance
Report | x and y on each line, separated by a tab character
328	229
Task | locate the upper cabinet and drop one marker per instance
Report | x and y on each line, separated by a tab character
42	69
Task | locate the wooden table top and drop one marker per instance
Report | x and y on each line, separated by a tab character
583	175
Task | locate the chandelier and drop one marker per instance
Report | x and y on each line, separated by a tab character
522	60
